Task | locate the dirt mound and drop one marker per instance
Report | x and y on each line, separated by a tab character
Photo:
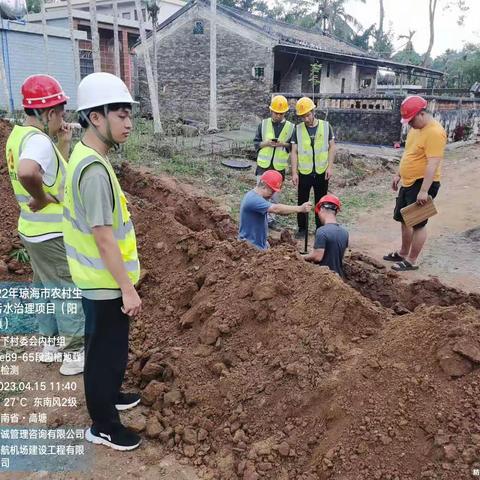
372	279
257	365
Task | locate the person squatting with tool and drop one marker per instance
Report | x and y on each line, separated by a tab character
418	176
255	207
36	167
312	157
331	239
272	144
102	254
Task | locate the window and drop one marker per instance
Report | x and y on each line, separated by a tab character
126	15
86	63
328	70
258	72
343	86
198	28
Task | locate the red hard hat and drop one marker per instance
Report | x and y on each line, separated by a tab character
411	106
334	200
42	91
273	179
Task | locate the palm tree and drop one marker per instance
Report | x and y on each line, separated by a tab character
97	64
333	18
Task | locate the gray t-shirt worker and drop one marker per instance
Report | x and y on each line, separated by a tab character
97	196
331	239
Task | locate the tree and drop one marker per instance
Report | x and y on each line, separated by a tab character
157	124
462	68
153	9
34	6
328	16
408	54
76	57
97	64
432	8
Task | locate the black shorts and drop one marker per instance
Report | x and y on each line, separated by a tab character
408	195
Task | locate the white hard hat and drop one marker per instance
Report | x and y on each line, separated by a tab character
102	88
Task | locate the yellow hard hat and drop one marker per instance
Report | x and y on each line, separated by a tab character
304	105
279	104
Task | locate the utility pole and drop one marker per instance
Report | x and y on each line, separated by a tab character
212	124
116	42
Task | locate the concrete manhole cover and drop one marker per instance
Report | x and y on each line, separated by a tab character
237	164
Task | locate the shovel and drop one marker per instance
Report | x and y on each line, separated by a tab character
306	238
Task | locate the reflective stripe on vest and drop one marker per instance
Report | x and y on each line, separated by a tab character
86	265
278	154
49	219
305	151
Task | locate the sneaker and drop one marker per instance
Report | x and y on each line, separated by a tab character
48	353
73	363
300	234
120	438
127	400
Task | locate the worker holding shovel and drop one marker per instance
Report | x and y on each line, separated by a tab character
312	157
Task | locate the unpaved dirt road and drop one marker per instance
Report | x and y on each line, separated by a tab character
452	252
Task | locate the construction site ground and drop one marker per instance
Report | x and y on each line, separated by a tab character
255	365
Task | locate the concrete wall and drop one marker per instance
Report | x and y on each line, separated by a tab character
295	75
184	75
27	57
375	118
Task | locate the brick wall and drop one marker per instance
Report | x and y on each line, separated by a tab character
363	126
184	75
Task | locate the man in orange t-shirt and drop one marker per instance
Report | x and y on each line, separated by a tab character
418	176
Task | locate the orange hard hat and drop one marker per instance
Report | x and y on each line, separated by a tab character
273	179
42	91
304	105
411	106
330	199
279	104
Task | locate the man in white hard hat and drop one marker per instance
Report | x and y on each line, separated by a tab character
102	254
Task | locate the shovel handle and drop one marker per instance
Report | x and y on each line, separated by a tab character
306	236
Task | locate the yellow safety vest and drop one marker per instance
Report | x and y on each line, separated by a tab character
49	219
86	265
305	151
277	156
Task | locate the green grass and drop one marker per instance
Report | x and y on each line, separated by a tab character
190	160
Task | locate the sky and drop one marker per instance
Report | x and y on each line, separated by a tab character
405	15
